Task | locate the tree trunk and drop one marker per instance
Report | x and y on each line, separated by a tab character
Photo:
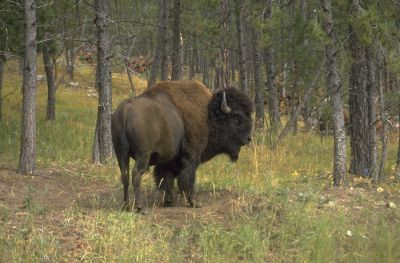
294	91
361	102
206	79
1	86
259	92
241	43
162	38
362	115
28	133
384	135
164	62
233	66
51	84
273	98
103	80
294	97
335	91
371	92
398	147
192	58
176	58
221	67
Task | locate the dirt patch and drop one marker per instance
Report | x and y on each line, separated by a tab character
54	192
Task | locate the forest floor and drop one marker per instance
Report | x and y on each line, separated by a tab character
44	203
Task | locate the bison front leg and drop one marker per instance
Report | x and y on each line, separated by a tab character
141	166
186	181
164	180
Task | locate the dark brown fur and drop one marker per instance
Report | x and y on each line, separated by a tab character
176	126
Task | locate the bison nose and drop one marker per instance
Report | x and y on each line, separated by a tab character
249	139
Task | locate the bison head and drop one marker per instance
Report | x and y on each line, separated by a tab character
230	123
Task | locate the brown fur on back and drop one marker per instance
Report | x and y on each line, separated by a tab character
191	99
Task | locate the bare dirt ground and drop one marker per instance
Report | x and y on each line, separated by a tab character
54	192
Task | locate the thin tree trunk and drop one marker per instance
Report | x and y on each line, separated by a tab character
294	97
1	86
241	46
384	135
273	98
206	80
164	62
176	58
335	91
371	91
103	80
192	58
162	37
51	84
292	120
294	91
232	62
259	92
398	147
28	133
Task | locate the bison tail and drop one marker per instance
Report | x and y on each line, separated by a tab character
123	155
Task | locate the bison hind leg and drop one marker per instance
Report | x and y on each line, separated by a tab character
141	166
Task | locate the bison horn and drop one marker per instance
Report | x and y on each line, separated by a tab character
224	105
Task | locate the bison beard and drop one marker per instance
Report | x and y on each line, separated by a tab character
176	126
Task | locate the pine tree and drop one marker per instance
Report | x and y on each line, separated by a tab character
103	145
28	133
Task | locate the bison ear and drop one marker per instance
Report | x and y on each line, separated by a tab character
224	105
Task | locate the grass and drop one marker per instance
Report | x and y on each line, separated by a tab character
285	209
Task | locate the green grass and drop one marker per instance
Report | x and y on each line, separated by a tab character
283	200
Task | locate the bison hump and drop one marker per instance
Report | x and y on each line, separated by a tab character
191	98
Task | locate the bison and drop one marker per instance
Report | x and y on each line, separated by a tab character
176	126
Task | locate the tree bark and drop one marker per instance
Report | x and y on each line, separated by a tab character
384	120
206	79
241	43
103	80
176	56
192	57
273	98
1	86
28	133
335	91
51	84
371	92
294	101
361	105
162	38
259	92
398	147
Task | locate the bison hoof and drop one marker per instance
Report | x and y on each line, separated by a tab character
194	204
141	211
125	206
